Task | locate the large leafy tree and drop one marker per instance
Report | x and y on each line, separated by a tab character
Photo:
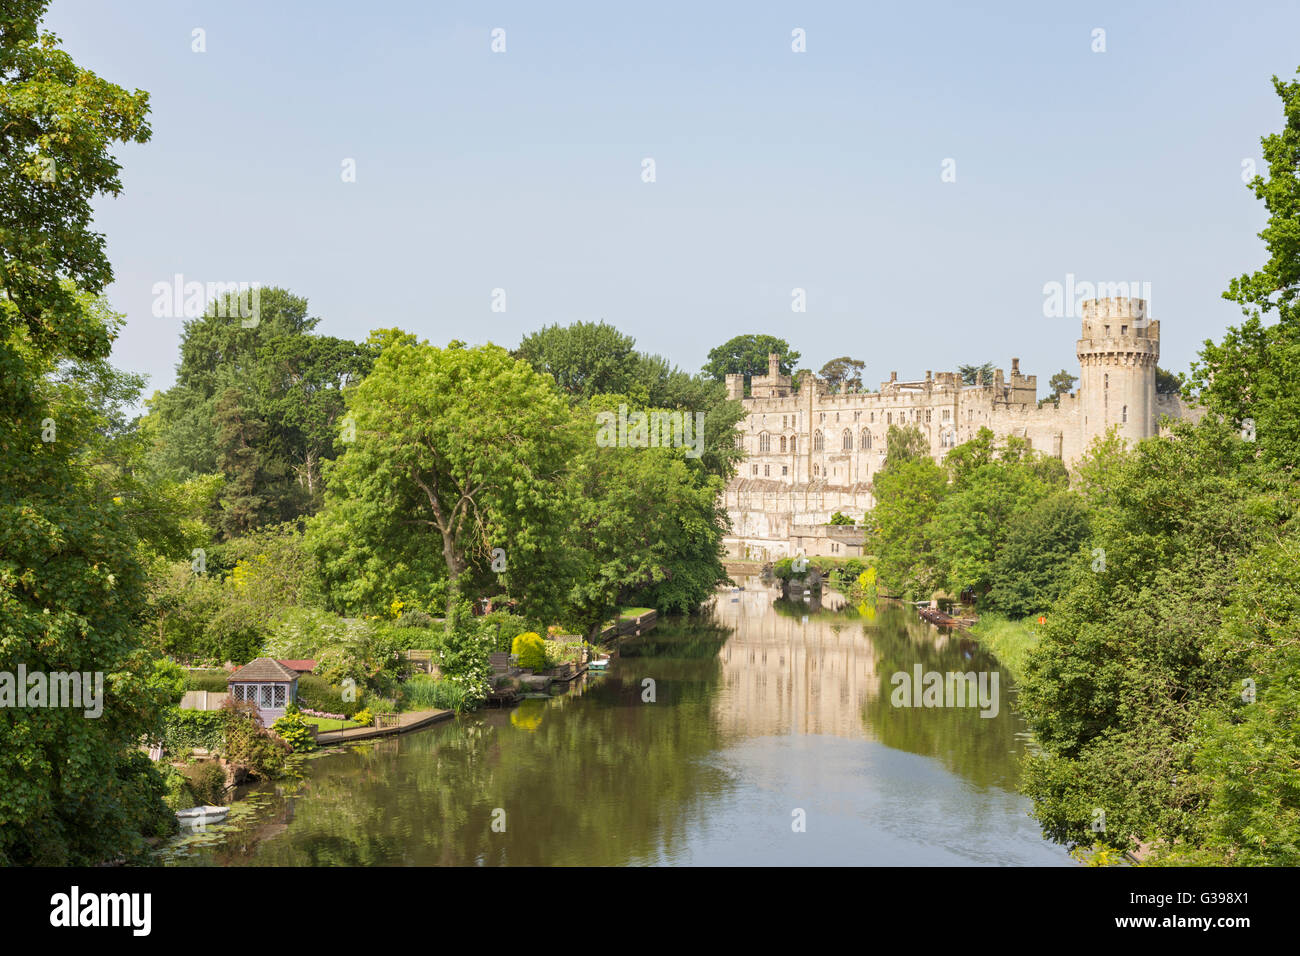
747	355
1041	541
276	378
1129	663
843	374
589	359
1252	377
993	482
584	358
969	373
76	789
908	490
644	527
457	452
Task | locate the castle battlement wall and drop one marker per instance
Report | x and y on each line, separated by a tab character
810	453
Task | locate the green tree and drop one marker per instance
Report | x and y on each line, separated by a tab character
1168	383
747	355
457	452
1124	670
842	374
584	358
1062	382
1252	377
77	791
908	490
970	372
992	483
1028	571
644	529
261	404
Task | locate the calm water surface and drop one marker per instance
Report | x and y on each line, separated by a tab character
766	708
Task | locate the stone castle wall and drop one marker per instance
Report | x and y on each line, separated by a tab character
809	453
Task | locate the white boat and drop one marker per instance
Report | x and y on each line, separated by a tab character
201	816
600	664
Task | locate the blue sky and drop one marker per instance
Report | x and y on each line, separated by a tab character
774	170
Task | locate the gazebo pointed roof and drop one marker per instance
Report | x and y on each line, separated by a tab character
263	670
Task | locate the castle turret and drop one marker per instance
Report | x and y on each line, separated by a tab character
1117	368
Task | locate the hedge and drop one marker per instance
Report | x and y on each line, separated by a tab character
211	680
188	729
316	693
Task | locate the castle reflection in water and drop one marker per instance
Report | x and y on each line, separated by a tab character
793	672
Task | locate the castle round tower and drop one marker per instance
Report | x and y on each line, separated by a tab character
1117	368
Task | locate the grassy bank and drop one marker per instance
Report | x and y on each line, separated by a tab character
1009	641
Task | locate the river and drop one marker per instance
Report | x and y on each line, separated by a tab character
766	735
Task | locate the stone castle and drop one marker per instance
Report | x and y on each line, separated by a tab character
809	453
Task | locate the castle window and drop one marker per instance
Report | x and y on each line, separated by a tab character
784	421
927	416
873	416
764	443
846	441
753	469
865	444
889	418
767	471
946	413
783	443
819	442
1105	380
817	470
793	442
1124	414
1123	330
785	470
822	419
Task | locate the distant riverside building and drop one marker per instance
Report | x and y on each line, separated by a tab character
809	454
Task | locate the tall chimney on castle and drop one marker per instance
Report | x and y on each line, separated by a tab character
773	365
1015	367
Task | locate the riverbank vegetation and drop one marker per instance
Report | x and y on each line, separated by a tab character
293	494
1163	687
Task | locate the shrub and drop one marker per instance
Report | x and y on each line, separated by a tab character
177	794
207	782
420	619
463	654
531	650
364	717
501	627
250	746
293	730
558	652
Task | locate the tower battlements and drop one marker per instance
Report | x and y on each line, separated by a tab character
1117	308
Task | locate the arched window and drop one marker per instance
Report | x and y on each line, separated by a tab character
793	443
865	444
782	444
819	442
846	441
764	443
